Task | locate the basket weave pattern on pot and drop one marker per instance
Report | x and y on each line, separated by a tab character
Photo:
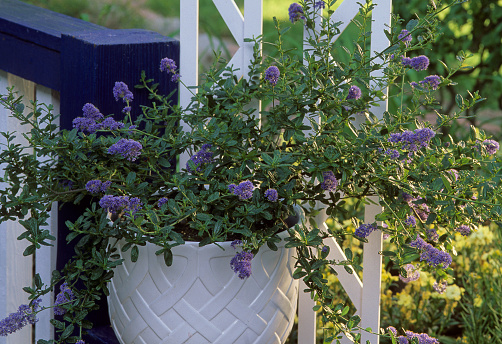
199	299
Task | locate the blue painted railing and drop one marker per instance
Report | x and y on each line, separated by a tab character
81	61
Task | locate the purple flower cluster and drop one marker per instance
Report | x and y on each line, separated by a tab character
168	65
364	230
203	156
92	120
431	81
464	230
432	235
413	140
295	12
271	195
491	146
272	75
81	341
430	254
392	153
440	287
412	273
121	91
236	243
411	221
65	295
423	338
15	321
418	205
330	183
405	36
319	4
128	148
241	264
162	201
244	190
417	63
115	204
354	92
96	186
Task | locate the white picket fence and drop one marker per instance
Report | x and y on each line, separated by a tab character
17	271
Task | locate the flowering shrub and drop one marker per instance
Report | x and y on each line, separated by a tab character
246	174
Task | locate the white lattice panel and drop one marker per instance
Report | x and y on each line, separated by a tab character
199	299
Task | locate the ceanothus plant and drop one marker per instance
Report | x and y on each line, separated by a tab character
314	143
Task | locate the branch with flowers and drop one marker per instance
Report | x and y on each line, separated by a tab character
246	173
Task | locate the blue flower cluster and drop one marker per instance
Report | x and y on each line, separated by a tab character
203	156
115	204
464	230
354	92
432	235
319	4
272	75
491	146
244	190
418	63
330	183
168	65
128	148
423	338
392	153
418	205
440	287
64	296
15	321
295	12
413	140
365	229
162	201
241	264
121	91
236	243
411	221
430	254
95	186
92	120
405	36
412	273
271	195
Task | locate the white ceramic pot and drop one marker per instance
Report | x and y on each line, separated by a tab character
199	299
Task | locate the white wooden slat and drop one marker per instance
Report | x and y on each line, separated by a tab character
233	18
372	260
17	269
189	58
253	27
3	231
345	12
45	257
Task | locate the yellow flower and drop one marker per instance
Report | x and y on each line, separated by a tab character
478	301
453	292
405	300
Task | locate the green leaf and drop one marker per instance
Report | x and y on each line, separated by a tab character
134	253
131	177
29	250
411	24
168	257
67	331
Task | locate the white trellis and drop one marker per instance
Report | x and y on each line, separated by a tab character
365	297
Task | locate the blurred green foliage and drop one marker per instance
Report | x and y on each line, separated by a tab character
476	28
